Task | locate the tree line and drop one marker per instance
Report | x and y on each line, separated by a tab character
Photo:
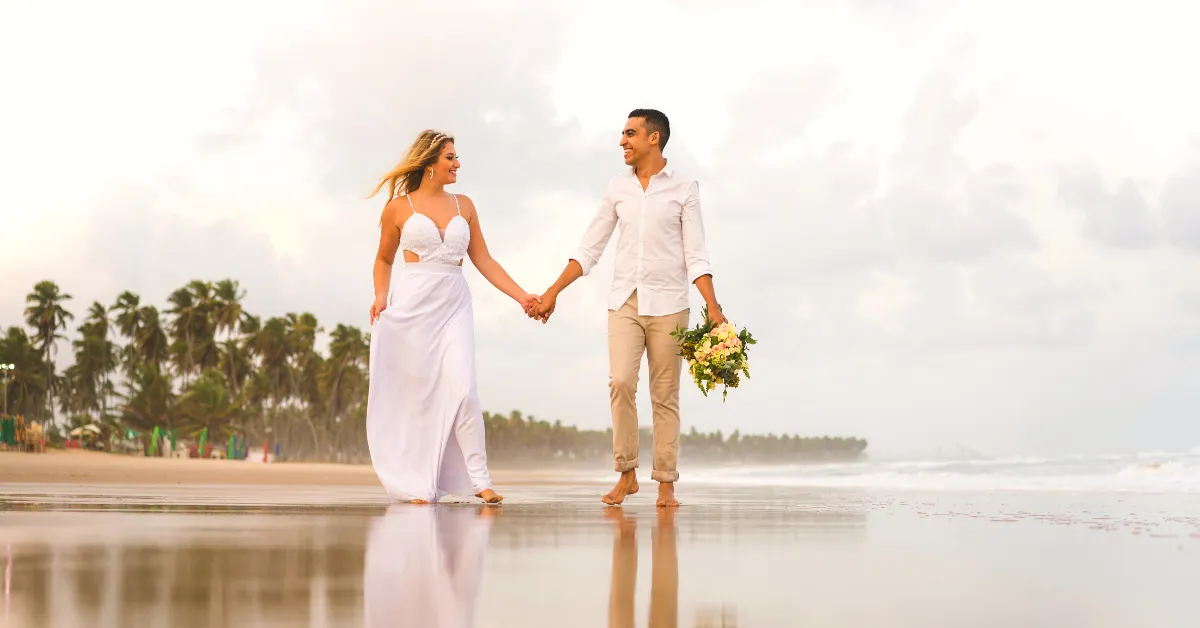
204	363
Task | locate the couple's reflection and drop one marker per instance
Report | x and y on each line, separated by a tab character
424	565
664	571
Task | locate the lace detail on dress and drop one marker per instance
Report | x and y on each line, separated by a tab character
421	236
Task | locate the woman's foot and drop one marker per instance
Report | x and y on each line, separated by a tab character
489	496
627	485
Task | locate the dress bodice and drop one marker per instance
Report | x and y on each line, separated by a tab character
421	235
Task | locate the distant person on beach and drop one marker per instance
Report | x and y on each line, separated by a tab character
425	426
660	251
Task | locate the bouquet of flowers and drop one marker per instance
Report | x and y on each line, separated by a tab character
716	354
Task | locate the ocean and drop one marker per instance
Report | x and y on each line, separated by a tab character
1145	472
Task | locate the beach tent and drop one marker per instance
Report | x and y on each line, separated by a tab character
92	428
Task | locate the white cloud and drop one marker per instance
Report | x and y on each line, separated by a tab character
1180	203
1121	219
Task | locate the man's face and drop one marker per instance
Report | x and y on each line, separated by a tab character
635	140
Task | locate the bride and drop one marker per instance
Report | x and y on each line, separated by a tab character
424	422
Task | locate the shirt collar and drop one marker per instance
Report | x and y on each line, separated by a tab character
667	171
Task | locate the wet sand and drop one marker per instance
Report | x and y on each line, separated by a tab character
289	554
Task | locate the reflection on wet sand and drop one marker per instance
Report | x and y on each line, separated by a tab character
664	575
132	564
765	557
215	570
664	572
7	581
424	565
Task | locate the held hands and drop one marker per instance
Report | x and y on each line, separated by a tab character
543	307
529	302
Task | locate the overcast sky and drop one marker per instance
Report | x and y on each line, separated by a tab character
948	223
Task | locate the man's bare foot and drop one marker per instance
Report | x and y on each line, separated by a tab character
489	496
627	485
418	501
666	495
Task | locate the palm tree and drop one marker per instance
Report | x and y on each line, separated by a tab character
228	312
101	354
151	345
127	308
129	322
343	382
235	363
205	350
186	313
270	346
208	403
47	316
27	384
349	350
79	392
302	330
230	317
306	364
148	400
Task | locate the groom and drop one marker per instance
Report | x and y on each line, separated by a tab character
659	252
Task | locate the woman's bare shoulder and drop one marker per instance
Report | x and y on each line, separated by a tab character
394	211
467	206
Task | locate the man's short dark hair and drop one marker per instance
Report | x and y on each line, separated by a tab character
655	121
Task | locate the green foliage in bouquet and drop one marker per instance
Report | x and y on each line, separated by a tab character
716	354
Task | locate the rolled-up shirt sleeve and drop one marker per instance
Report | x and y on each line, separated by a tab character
597	235
695	252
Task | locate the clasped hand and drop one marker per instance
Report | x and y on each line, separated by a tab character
538	308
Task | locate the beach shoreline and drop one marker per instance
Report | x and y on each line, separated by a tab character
90	467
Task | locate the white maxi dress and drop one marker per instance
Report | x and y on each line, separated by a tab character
424	422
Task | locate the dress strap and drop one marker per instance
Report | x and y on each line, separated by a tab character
410	203
456	206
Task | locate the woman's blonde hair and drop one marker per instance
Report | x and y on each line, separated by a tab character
406	177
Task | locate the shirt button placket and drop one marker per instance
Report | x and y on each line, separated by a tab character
641	245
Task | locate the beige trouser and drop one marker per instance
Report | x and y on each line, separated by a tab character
629	338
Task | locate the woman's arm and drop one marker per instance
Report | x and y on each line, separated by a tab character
385	256
483	260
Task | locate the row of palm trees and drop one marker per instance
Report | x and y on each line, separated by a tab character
515	439
204	363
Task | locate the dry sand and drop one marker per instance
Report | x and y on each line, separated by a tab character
88	467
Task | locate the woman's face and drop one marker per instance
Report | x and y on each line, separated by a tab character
445	167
